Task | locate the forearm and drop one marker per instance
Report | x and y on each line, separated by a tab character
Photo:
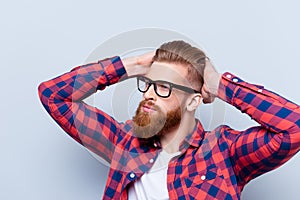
82	81
62	97
269	109
260	149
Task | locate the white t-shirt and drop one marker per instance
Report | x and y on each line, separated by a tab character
153	184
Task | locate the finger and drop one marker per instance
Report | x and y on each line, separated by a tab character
207	97
146	59
208	100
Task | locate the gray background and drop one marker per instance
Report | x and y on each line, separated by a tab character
257	40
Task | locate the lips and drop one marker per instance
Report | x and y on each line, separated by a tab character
147	108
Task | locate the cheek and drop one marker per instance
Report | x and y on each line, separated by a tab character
172	103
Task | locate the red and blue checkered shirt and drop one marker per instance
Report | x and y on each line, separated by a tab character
212	165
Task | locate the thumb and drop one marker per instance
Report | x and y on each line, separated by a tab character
207	96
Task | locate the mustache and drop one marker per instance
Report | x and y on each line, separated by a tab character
150	104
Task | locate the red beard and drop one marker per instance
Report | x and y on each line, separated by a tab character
146	125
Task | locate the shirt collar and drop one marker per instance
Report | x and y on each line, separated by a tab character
195	137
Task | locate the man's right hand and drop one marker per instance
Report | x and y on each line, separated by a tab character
138	65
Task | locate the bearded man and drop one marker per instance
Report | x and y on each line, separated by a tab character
164	152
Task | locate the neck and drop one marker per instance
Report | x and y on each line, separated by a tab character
172	139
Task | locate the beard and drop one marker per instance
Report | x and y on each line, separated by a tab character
148	124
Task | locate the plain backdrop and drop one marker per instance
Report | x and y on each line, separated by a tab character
256	40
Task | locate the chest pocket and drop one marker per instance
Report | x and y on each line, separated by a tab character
206	184
201	177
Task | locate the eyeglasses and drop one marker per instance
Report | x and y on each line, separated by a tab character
161	88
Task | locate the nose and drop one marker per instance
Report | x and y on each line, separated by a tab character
150	93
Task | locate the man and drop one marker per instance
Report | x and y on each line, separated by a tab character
163	152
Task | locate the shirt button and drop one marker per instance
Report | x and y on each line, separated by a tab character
203	177
235	80
132	175
151	160
259	90
228	76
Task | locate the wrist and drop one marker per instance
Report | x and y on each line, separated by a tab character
129	65
215	82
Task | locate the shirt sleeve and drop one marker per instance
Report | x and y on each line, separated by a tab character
63	97
260	149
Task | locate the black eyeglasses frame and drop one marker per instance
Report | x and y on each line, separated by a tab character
172	85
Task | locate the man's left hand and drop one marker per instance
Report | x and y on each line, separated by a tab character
212	79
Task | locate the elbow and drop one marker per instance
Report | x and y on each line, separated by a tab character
291	141
295	139
44	93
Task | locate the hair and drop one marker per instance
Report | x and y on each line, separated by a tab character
180	52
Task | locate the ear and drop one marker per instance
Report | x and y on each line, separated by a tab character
193	102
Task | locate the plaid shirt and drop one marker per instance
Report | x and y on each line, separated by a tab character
212	165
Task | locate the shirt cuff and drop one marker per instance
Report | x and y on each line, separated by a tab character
230	83
115	69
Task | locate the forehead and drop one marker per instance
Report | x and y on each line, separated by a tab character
175	73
